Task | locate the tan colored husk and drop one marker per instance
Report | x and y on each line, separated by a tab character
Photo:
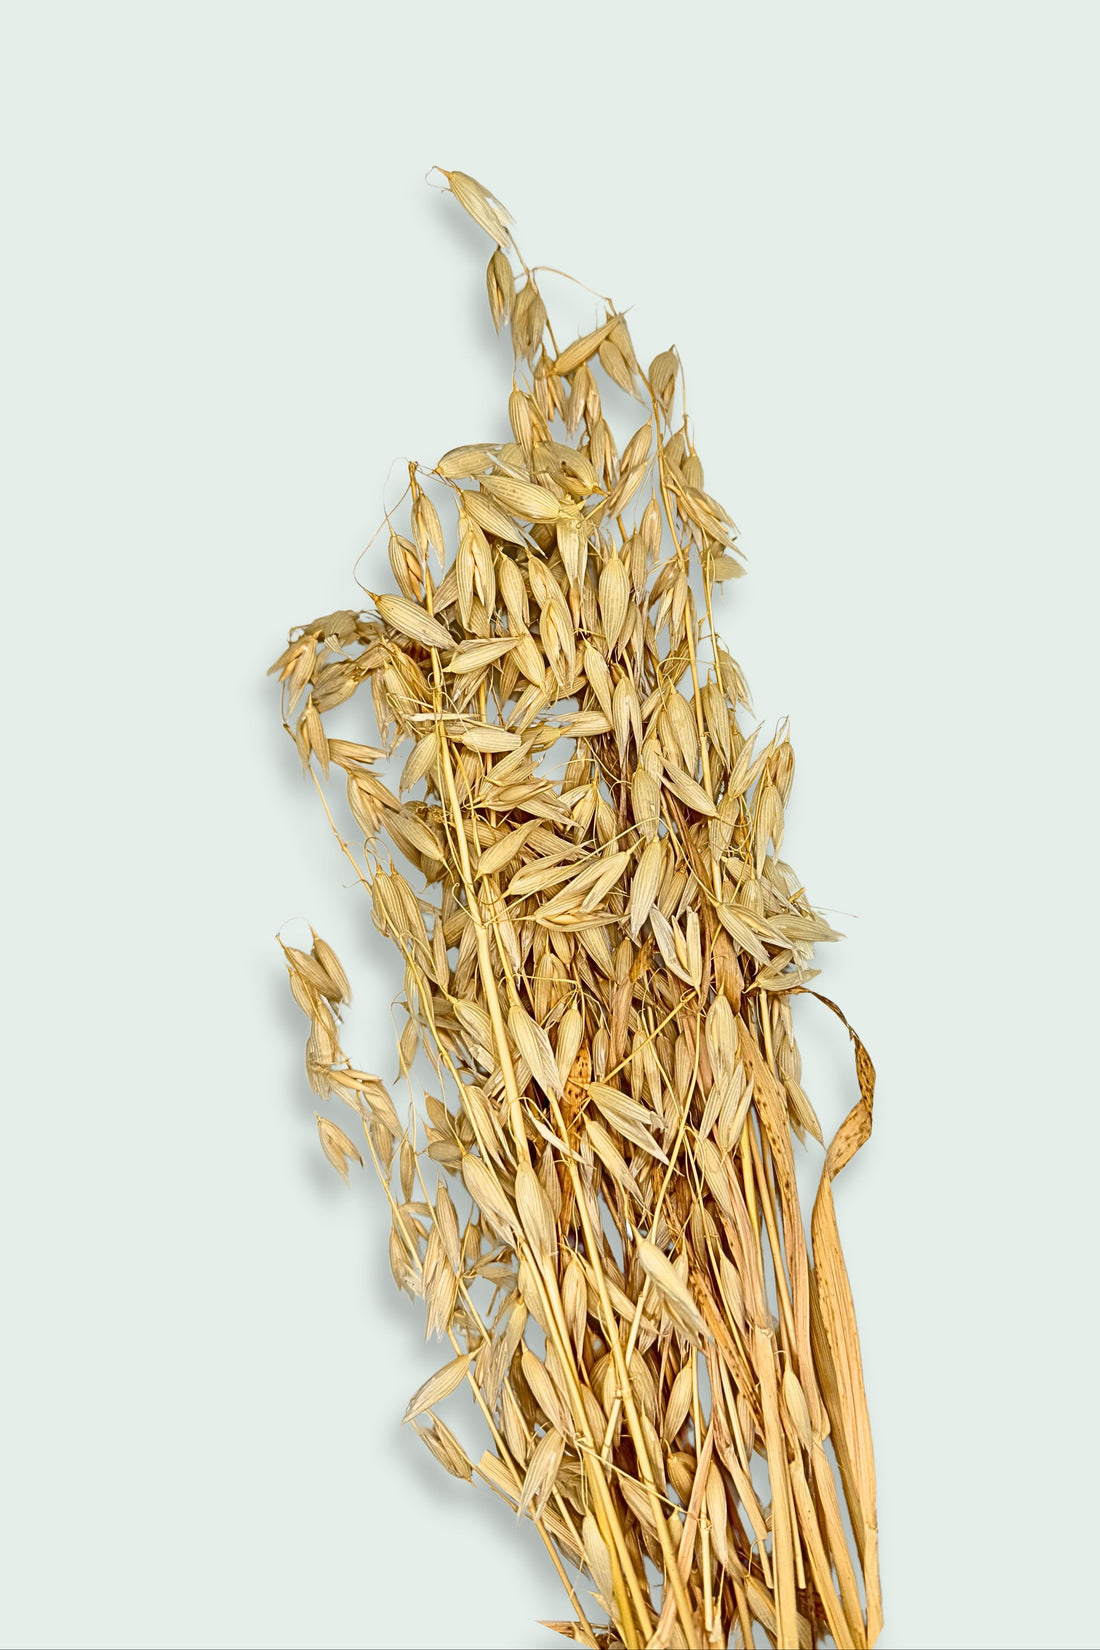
603	984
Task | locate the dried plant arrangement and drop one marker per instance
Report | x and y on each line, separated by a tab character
601	948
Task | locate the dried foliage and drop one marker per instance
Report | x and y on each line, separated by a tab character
599	964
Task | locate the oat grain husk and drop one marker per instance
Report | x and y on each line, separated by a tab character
601	949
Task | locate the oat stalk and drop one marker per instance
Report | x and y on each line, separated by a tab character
601	949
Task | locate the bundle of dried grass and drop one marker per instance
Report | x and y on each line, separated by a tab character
603	986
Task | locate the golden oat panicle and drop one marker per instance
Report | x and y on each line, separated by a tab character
576	851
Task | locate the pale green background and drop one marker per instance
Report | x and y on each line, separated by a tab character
229	302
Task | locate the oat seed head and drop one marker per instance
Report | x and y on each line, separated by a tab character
598	951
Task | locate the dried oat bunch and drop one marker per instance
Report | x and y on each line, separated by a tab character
601	946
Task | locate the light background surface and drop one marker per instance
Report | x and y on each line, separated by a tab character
230	303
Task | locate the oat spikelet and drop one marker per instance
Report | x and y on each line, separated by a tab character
576	855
